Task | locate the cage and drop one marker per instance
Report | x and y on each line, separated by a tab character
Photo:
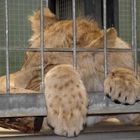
15	33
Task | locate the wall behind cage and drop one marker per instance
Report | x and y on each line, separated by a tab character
125	20
19	30
125	23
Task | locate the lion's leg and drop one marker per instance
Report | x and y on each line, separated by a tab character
19	81
66	100
122	86
3	83
13	87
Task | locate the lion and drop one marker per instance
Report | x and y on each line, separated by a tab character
67	88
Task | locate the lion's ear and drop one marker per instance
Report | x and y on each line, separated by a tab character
49	19
111	36
99	42
35	21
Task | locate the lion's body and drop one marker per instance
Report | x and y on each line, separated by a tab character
66	88
89	64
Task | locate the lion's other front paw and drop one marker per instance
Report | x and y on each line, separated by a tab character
66	101
122	86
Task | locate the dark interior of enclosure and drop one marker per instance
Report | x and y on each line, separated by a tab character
92	9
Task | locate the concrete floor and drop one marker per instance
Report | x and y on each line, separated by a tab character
109	126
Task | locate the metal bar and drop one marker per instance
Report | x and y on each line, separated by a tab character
42	45
74	34
16	105
89	134
22	105
47	3
105	44
134	33
7	48
105	36
71	49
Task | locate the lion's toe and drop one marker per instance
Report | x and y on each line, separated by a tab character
122	86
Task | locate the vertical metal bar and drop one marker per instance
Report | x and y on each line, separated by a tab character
74	34
42	45
105	43
7	48
47	3
134	33
105	37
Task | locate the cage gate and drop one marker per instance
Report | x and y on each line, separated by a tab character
23	104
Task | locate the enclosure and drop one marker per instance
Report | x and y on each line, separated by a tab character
15	31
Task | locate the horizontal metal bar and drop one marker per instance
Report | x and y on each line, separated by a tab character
71	49
22	105
89	135
34	105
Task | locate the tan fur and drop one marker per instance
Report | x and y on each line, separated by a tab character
66	100
66	88
121	84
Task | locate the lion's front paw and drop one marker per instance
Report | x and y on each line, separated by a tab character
66	123
67	114
122	86
66	100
